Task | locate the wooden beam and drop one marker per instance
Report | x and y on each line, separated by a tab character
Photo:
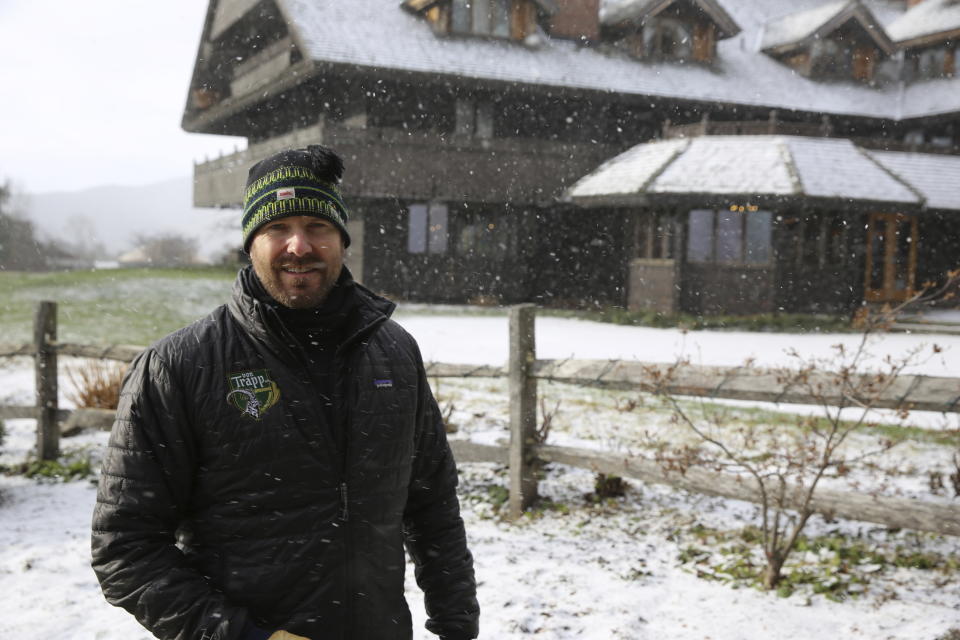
466	451
916	392
45	369
523	408
119	352
443	370
888	511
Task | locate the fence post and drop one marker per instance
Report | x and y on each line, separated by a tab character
45	368
523	408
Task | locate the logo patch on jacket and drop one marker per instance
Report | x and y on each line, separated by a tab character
252	392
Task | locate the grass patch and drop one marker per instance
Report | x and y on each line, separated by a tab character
759	416
834	565
75	464
118	306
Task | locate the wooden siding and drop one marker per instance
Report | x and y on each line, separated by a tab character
652	285
727	289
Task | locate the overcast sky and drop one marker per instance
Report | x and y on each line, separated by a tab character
92	92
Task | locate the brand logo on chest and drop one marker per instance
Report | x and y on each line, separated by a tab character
252	392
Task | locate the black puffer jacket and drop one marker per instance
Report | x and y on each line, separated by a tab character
224	501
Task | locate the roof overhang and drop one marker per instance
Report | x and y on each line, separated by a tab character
759	170
779	39
931	39
927	23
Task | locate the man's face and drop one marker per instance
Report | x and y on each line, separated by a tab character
298	259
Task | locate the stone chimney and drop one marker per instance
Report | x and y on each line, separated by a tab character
576	20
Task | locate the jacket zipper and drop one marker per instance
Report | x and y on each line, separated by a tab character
344	511
346	402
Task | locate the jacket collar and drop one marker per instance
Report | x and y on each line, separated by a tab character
262	322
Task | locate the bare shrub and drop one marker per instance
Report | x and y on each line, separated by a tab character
546	421
786	466
446	407
955	476
608	486
96	384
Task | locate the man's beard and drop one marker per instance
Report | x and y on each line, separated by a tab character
297	292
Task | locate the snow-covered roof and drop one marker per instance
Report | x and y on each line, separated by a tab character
801	25
370	33
935	177
930	17
639	10
794	166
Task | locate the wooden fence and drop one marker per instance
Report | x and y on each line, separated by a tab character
524	453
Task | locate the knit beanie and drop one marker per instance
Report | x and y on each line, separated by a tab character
295	182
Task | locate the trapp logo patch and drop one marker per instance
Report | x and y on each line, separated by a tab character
252	392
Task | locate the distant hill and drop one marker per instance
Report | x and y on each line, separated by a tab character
114	215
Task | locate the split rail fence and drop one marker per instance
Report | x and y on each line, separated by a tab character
524	454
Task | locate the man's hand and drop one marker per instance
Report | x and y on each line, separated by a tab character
286	635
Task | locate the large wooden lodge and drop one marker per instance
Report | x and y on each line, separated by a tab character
705	156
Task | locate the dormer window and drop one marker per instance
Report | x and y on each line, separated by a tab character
511	19
932	62
929	35
839	41
683	30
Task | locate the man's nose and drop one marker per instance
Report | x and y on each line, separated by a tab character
298	244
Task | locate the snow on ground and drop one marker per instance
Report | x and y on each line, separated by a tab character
482	340
585	571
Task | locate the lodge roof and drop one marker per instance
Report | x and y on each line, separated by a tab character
927	18
639	10
802	27
776	166
368	34
935	177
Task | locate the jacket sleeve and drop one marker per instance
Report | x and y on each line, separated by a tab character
435	534
143	496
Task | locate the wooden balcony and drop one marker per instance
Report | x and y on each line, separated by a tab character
394	163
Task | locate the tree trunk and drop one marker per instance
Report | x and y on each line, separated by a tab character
771	572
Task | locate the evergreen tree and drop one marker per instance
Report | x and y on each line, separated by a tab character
19	248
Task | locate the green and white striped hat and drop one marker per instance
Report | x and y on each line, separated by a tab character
295	182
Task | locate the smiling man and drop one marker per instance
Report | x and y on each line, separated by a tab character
269	462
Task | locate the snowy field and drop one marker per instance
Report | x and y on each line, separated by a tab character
578	569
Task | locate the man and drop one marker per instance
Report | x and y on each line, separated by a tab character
269	462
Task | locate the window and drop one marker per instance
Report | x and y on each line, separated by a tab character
737	235
514	19
700	236
654	237
837	242
816	242
428	230
673	38
417	236
831	59
935	62
474	117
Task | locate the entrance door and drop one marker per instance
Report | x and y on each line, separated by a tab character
891	257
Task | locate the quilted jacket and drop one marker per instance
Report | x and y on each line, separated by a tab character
224	500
